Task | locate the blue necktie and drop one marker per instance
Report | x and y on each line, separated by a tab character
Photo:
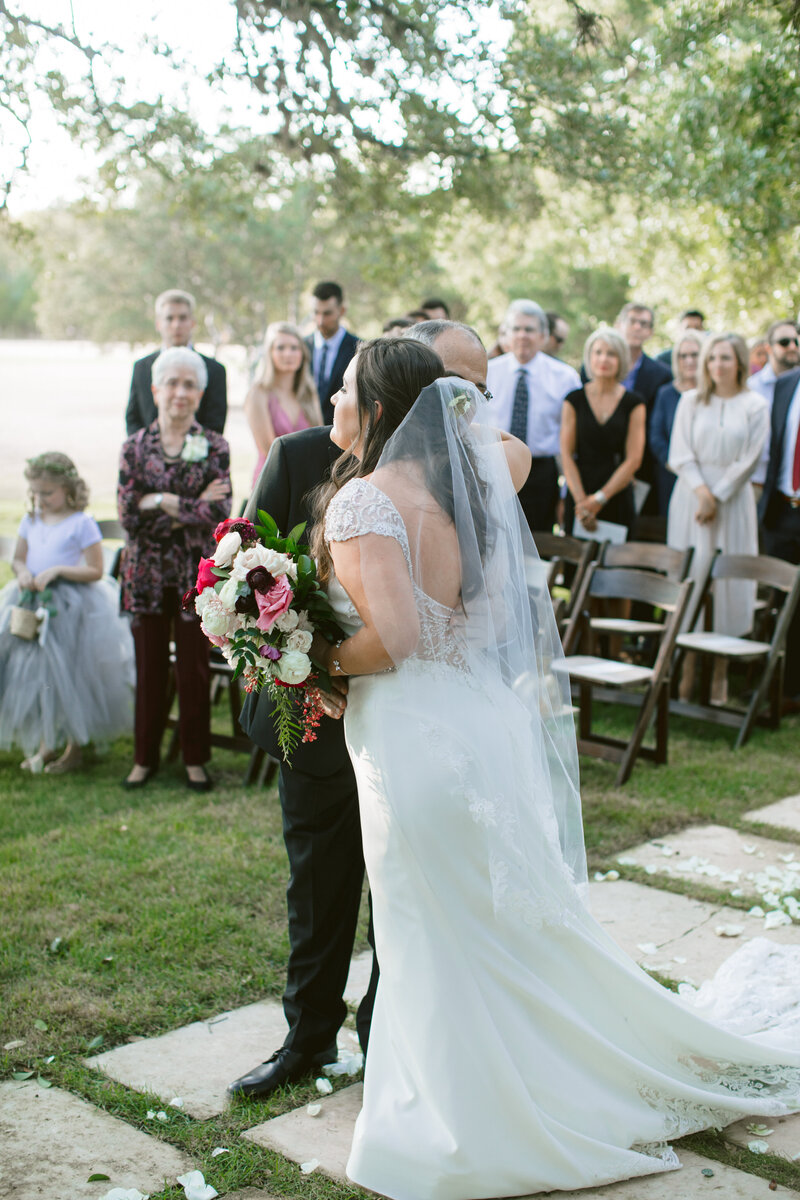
322	364
519	413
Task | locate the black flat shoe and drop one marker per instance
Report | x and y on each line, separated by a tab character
285	1066
131	785
200	785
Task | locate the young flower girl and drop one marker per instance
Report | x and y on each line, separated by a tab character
66	656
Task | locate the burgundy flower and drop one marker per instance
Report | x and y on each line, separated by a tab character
245	529
260	579
270	652
188	600
247	604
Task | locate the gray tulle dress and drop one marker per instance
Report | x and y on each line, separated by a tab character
76	682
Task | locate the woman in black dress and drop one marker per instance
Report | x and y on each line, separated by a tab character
602	437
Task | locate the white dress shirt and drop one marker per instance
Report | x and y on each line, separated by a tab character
549	381
333	344
763	382
789	444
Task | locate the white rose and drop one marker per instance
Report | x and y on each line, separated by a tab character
293	667
195	448
218	620
246	560
226	548
228	594
286	622
202	600
303	621
299	640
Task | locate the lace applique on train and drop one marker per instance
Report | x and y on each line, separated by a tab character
360	508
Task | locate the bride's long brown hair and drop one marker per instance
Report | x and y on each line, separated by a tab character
390	372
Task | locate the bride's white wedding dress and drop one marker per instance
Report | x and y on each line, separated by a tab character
514	1047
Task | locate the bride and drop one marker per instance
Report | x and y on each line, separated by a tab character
514	1047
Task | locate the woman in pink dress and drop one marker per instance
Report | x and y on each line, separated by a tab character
283	397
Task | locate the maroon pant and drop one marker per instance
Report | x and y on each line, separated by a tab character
151	637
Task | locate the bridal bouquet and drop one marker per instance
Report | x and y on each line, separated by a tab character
259	601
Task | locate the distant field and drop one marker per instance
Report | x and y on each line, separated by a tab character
71	396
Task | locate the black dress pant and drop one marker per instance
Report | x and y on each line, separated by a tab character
539	495
322	831
782	540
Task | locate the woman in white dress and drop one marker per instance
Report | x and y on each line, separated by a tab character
717	439
514	1047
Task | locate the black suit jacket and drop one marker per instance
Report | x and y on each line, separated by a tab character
784	391
346	351
297	462
141	410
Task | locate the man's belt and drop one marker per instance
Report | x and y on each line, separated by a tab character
792	501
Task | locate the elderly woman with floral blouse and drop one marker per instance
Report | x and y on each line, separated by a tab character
174	488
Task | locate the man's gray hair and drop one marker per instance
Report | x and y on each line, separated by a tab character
428	332
176	357
527	308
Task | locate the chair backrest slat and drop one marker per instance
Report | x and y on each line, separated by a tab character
773	572
647	556
628	583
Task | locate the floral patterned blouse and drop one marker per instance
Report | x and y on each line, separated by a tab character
161	553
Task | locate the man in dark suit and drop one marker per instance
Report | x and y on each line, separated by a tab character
175	322
331	347
645	377
779	507
691	318
321	825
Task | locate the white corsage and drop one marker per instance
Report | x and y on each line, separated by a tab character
460	404
195	448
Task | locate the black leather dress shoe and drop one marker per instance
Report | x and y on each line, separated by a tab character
200	785
285	1066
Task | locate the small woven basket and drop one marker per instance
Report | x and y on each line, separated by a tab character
24	623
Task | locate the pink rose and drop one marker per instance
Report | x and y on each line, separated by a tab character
274	603
205	574
217	640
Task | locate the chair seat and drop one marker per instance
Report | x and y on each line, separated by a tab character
623	625
589	668
721	643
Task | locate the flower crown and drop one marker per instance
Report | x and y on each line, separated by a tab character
41	464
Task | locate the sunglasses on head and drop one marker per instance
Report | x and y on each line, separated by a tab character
784	342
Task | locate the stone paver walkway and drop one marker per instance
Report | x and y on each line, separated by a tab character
52	1141
785	814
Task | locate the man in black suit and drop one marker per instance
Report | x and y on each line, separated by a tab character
175	322
645	377
319	800
331	347
779	507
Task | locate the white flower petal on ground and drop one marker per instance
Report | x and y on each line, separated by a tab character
627	861
161	1116
151	1114
313	1110
729	930
15	1045
758	1147
607	877
308	1167
678	958
650	869
195	1187
175	1102
648	948
775	918
324	1087
737	892
351	1064
760	1131
219	1150
755	911
748	849
787	858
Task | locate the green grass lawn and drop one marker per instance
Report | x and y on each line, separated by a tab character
128	914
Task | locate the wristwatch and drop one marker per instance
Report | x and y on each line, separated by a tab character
158	499
600	497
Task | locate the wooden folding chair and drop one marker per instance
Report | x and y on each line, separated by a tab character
587	671
780	584
642	556
566	560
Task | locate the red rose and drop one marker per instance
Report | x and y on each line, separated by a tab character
222	528
205	574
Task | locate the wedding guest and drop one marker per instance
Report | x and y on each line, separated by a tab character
779	509
174	488
416	315
435	309
602	437
645	376
528	389
691	318
175	323
319	802
783	355
332	346
558	332
395	326
759	354
283	397
717	438
502	345
685	360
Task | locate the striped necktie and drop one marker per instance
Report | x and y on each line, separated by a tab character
519	413
323	362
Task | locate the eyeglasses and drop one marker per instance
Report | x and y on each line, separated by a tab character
784	342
